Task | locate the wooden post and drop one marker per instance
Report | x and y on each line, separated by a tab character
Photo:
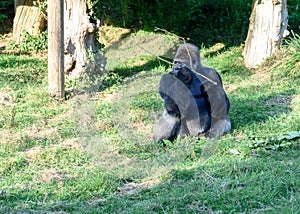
56	48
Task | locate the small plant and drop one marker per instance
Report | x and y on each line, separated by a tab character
42	5
294	42
31	43
276	143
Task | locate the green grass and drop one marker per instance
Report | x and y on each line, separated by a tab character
96	155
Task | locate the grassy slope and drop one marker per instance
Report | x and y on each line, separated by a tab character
105	162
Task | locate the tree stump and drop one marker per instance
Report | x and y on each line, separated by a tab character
28	17
81	53
268	26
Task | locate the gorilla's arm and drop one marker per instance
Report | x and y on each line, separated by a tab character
177	98
175	94
218	104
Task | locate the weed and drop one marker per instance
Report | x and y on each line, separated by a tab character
31	43
294	42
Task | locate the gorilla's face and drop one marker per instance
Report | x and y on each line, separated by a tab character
183	73
177	66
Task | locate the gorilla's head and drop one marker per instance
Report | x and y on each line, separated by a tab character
189	55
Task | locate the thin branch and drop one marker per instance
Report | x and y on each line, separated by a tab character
195	72
168	32
156	56
205	77
187	50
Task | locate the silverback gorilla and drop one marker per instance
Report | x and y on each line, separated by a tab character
195	102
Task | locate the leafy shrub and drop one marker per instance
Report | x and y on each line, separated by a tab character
220	21
294	15
205	21
6	14
31	43
294	42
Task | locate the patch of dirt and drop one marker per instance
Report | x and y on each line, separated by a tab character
230	88
5	100
6	137
33	154
260	78
134	188
108	34
213	50
41	132
295	103
49	175
4	41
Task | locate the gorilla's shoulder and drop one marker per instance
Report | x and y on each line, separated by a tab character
167	82
211	73
167	77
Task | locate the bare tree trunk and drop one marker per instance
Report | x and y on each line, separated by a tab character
81	53
268	26
28	17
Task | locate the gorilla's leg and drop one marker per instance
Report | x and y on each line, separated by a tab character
183	128
219	128
167	128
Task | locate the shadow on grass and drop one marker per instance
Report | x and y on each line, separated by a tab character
249	110
16	60
18	70
120	74
233	185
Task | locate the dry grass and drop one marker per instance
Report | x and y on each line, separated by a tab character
109	35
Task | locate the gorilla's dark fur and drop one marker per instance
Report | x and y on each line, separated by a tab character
193	104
